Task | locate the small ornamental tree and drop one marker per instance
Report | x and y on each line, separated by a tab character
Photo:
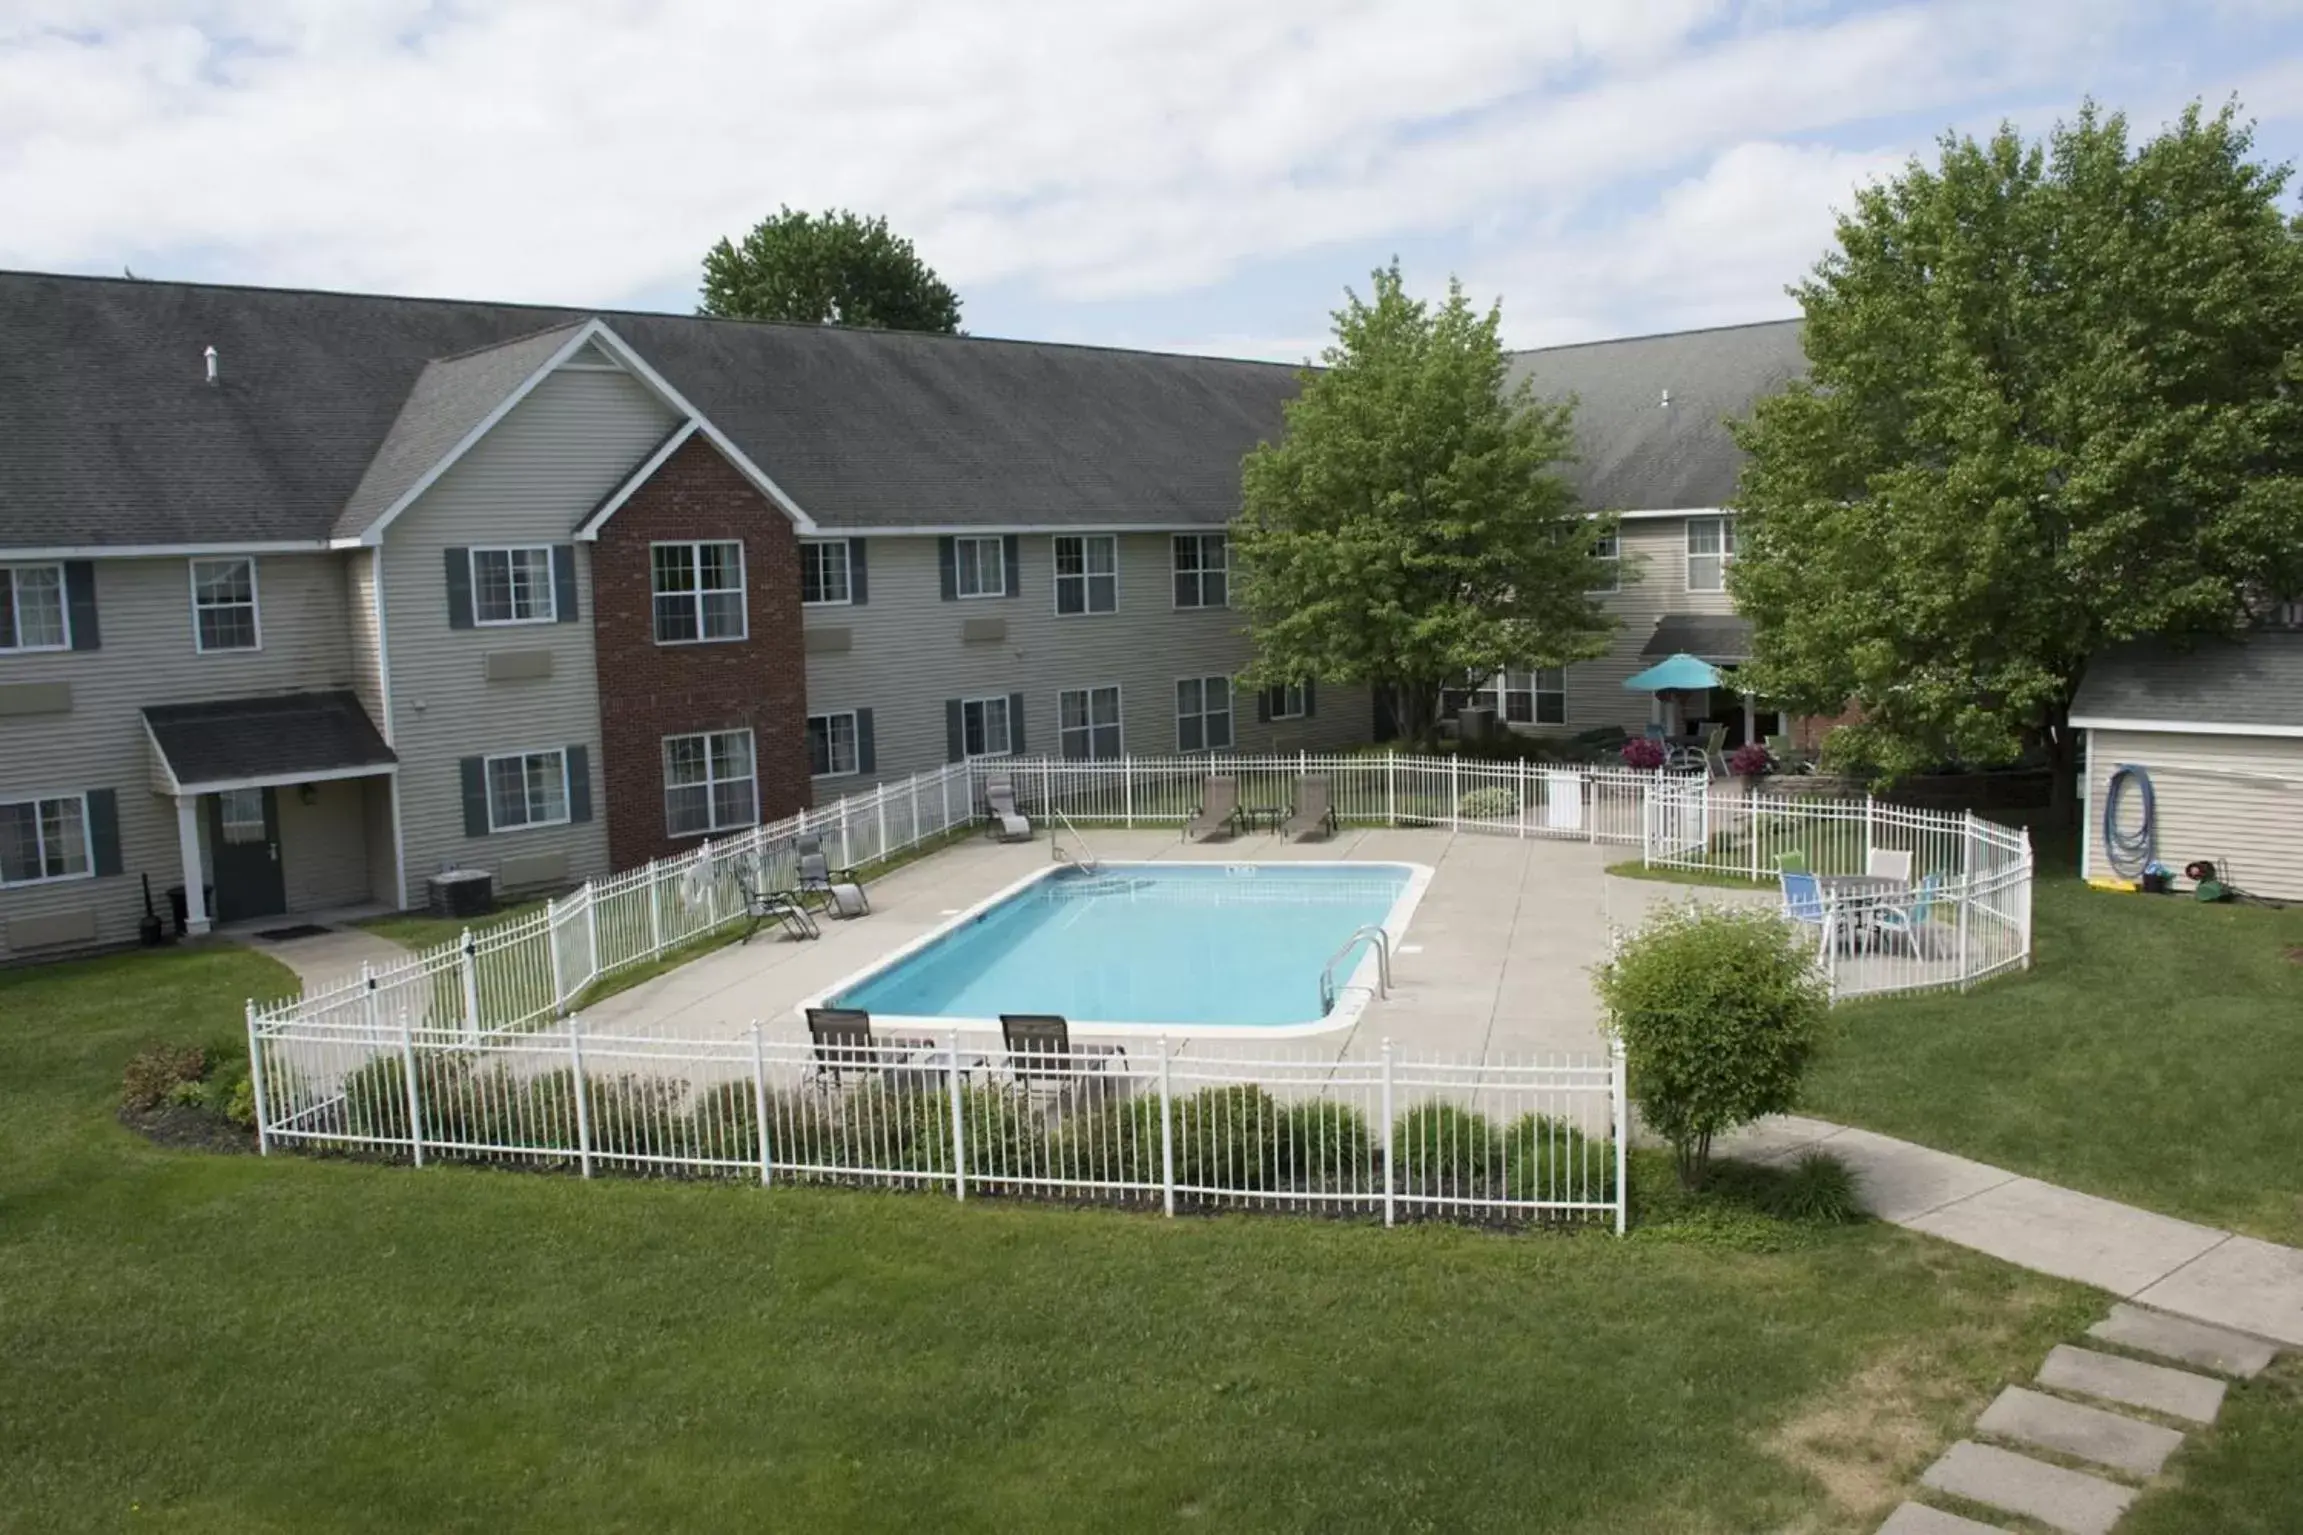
1720	1010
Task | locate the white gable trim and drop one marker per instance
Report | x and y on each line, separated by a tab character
590	531
2183	727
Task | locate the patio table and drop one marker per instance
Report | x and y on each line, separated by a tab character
1863	890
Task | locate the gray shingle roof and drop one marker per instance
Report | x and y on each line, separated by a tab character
280	737
1638	454
1705	636
2254	681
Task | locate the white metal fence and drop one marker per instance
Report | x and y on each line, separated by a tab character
1400	1136
1967	917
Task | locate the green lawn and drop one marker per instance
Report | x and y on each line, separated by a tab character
195	1342
2153	1054
414	930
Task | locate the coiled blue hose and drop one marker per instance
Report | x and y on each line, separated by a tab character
2130	852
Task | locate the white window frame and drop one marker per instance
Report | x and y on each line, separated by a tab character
1609	552
1230	715
488	780
1118	724
40	840
713	825
255	604
698	591
1087	576
1007	728
1287	701
1724	554
1497	692
962	545
847	596
551	613
8	573
1199	574
855	743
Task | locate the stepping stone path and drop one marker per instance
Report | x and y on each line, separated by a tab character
2052	1421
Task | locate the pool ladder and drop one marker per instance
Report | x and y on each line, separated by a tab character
1365	933
1087	858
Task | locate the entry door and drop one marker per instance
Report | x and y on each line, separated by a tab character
244	842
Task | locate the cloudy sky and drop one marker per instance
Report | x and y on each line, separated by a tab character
1194	174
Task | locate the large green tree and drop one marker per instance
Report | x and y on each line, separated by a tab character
836	268
1410	529
2056	401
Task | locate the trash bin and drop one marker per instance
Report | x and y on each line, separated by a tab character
182	914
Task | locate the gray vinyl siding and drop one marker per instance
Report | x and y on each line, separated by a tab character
144	612
2236	801
532	480
324	845
907	657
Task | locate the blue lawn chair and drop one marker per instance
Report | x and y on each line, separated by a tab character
1908	920
1805	903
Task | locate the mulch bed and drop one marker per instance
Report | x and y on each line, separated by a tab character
181	1128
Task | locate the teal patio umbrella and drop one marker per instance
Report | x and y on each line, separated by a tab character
1679	672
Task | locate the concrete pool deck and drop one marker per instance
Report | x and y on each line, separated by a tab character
1493	965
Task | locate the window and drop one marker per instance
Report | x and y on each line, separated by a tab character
980	567
832	745
1203	714
32	608
240	812
824	573
699	592
44	839
1609	552
1202	570
708	783
513	586
1087	573
1525	698
1285	702
1711	548
1088	723
984	727
527	789
224	605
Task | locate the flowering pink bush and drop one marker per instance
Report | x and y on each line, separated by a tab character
1643	752
1749	760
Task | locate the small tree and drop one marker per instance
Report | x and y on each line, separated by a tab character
1410	528
836	269
1720	1010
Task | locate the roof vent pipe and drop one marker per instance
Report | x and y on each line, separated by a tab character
210	356
1665	403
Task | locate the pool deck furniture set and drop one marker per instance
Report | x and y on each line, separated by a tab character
1042	1058
1221	814
1857	913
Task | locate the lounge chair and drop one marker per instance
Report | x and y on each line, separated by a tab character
840	890
1888	863
1002	818
1041	1054
1805	904
1313	810
783	907
844	1042
1909	919
1218	809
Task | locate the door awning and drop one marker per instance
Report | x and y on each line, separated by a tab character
1720	638
249	743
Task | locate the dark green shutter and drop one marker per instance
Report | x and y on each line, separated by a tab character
1013	549
564	582
859	575
460	596
1016	723
1310	698
579	784
948	567
104	831
80	604
955	731
867	755
475	773
1263	697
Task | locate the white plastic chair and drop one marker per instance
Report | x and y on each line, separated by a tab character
1889	863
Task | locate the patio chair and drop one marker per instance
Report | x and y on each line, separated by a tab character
844	1042
1218	809
1794	862
782	907
1805	903
1888	863
1001	818
1655	730
1909	919
840	890
1705	754
1313	810
1041	1054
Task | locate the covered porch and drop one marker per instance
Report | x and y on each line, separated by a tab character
1695	698
284	803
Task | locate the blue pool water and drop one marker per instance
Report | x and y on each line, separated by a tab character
1145	943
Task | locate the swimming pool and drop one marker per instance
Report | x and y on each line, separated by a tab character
1150	947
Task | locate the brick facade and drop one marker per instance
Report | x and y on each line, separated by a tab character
649	691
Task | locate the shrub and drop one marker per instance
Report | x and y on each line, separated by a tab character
1327	1144
1720	1010
1119	1143
638	1116
1818	1188
240	1105
156	1071
727	1123
1495	803
1750	760
1228	1138
1547	1158
1442	1146
1644	753
1004	1132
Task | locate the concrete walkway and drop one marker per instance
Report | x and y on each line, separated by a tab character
2170	1265
321	959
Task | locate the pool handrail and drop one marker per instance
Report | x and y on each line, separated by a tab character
1359	935
1090	863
